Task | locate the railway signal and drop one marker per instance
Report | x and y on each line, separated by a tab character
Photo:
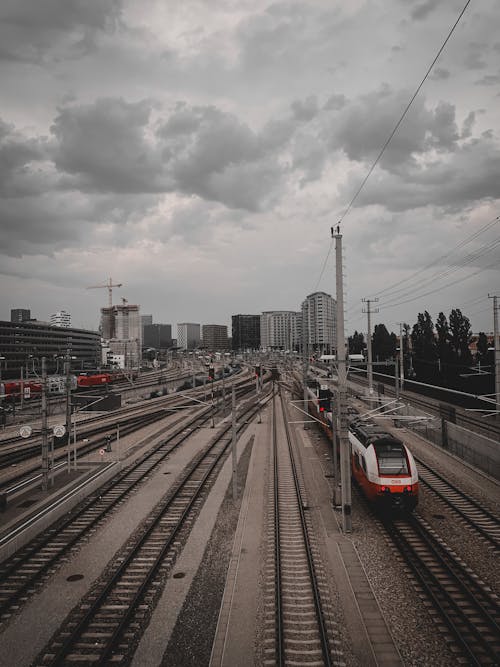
211	373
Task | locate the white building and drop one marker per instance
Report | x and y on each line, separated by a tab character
188	335
280	330
319	323
122	332
61	319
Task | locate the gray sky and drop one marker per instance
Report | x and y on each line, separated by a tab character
199	152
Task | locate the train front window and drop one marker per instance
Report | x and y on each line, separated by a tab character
391	458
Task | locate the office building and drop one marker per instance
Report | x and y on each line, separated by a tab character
245	332
146	320
61	319
20	315
188	335
280	330
158	336
23	344
319	323
215	337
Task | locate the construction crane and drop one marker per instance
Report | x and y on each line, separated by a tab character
109	285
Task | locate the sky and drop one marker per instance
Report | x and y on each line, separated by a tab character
199	151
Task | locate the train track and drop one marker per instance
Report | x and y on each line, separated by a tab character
108	621
20	574
469	614
480	519
298	629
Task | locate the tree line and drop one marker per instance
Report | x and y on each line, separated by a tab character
435	353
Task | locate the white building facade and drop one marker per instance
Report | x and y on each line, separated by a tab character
319	328
188	335
280	330
61	319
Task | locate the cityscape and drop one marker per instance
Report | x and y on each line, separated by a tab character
249	333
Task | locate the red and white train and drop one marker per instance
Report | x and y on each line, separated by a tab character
381	464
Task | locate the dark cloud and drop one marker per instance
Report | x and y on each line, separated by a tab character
439	74
104	146
20	157
470	178
422	10
489	80
363	125
29	31
475	56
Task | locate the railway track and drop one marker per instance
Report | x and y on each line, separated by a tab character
466	610
20	574
109	620
298	626
480	519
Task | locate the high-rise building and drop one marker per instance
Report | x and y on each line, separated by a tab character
245	332
280	330
319	323
127	322
215	337
146	320
121	326
61	319
188	335
158	336
20	315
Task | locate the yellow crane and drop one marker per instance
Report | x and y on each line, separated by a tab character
109	285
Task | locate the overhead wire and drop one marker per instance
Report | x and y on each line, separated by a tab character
395	129
440	289
434	262
445	273
407	108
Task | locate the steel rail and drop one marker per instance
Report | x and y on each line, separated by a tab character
280	648
54	654
325	647
474	506
465	628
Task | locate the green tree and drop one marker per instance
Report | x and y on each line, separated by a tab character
460	337
383	343
482	347
424	347
357	343
443	347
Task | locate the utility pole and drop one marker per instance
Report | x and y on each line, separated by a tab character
305	358
401	357
45	448
67	368
496	338
345	448
233	443
369	311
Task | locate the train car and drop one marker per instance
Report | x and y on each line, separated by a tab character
11	390
98	380
383	466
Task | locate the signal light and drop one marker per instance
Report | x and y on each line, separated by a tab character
257	371
211	373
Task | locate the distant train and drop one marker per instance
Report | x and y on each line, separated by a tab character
381	464
56	385
97	380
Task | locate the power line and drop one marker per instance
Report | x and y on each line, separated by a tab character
467	259
439	289
440	259
396	127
